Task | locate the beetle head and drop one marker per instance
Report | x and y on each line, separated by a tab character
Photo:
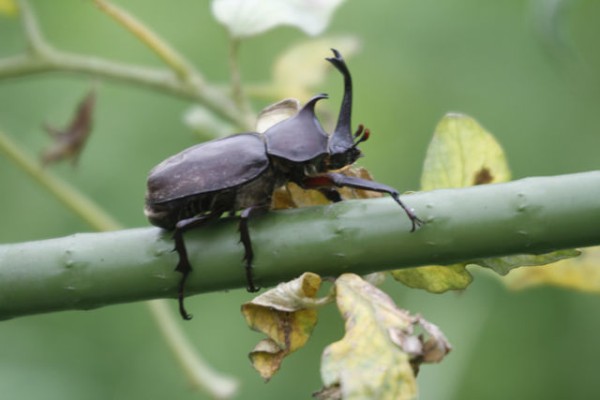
342	147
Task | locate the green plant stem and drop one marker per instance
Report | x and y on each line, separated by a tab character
200	374
80	204
158	45
86	271
43	58
237	89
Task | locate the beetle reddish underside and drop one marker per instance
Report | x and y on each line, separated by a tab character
240	173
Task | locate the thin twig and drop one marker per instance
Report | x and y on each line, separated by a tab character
76	201
158	45
200	374
222	387
35	40
237	89
42	58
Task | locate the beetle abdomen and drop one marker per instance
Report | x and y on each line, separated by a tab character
212	166
254	193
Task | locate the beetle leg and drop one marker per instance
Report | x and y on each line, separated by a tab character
184	265
331	194
245	239
340	180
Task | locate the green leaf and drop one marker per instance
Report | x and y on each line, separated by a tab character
380	352
581	273
435	278
461	154
503	265
245	18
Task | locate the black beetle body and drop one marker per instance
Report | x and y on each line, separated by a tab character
240	173
221	175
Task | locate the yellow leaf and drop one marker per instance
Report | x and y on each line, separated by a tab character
277	112
302	67
461	154
287	316
378	355
266	358
8	7
581	273
293	196
435	278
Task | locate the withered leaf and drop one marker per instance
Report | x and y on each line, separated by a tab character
286	314
293	196
380	354
69	142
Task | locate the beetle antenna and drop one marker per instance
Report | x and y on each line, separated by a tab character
361	135
359	130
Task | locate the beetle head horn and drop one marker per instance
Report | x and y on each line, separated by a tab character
341	139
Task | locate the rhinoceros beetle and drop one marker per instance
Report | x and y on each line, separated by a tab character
240	173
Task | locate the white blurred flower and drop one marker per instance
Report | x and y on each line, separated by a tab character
250	17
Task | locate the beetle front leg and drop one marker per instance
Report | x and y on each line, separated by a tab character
331	194
245	240
184	265
341	180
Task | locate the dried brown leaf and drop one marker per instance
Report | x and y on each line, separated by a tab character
70	141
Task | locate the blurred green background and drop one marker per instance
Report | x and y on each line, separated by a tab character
529	72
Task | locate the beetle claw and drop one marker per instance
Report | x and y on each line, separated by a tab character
416	221
253	289
183	266
184	314
250	287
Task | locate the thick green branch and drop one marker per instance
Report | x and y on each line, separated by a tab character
85	271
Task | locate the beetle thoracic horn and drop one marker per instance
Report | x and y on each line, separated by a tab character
341	139
309	107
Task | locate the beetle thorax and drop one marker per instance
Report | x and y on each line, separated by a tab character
295	171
